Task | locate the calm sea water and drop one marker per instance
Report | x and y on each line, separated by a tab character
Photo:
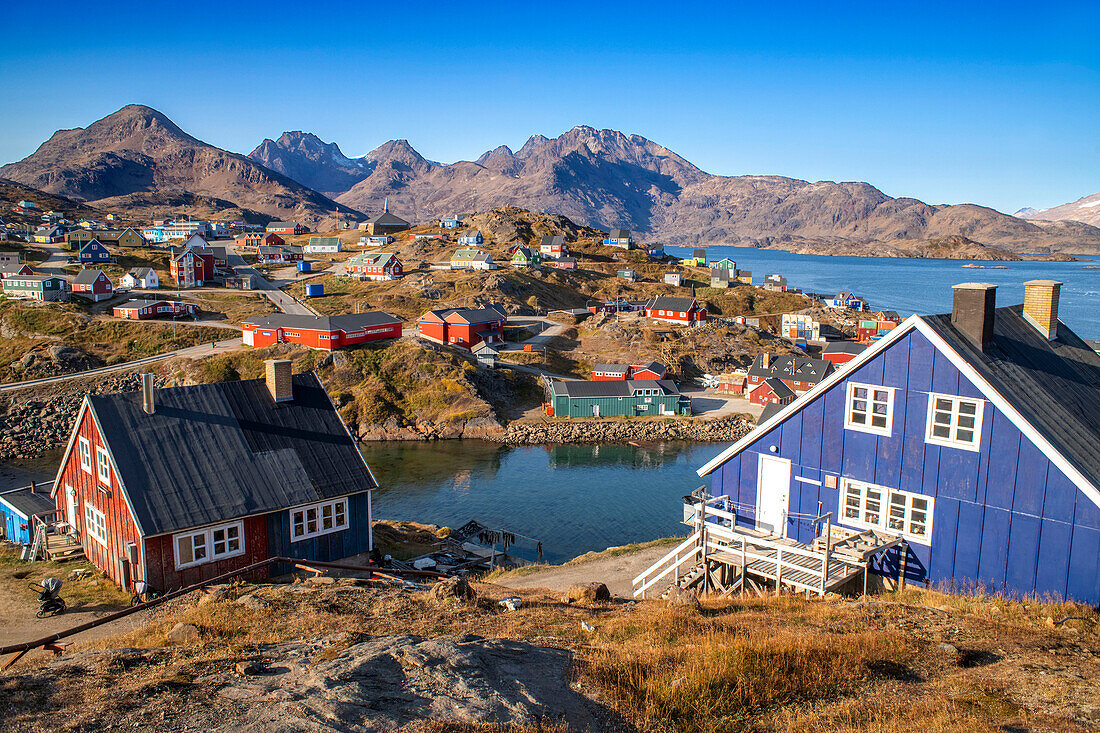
921	286
573	498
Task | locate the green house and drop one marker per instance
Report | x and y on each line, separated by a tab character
617	399
35	287
526	257
724	264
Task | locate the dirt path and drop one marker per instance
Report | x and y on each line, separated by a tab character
615	572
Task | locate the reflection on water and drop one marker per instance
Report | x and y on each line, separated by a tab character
575	498
19	472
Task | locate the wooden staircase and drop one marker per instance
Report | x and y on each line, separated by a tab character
720	557
50	543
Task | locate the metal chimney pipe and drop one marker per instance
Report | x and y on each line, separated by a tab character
147	402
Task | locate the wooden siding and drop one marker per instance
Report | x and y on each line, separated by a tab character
327	547
121	528
1005	518
164	577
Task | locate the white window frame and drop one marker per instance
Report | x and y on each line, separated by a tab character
310	520
952	441
849	408
103	465
208	542
84	446
876	508
95	524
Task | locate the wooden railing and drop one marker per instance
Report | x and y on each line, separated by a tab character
686	551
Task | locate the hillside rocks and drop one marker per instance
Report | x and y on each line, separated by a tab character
484	428
724	430
34	423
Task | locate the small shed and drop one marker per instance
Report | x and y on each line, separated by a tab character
486	354
630	275
314	290
18	507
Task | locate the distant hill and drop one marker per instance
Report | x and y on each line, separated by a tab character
12	192
305	158
1085	209
607	179
138	151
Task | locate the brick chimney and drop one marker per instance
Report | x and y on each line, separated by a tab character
765	360
278	379
1041	306
972	312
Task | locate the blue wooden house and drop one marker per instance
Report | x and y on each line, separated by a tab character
972	436
18	508
94	252
450	222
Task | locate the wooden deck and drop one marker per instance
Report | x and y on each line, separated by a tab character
63	547
722	557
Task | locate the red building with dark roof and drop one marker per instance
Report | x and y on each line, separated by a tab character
321	332
677	310
465	327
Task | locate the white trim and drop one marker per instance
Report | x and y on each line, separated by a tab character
118	475
886	431
885	505
208	544
318	519
952	441
93	519
103	465
85	454
992	395
805	480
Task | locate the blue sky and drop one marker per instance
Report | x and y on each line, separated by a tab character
949	103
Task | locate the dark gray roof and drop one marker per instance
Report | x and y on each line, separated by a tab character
616	368
798	368
141	271
653	366
769	409
619	234
29	504
699	252
1055	384
550	239
346	322
386	218
780	390
87	277
722	273
612	388
215	452
666	302
473	315
844	347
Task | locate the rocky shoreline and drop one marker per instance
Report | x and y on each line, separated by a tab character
722	430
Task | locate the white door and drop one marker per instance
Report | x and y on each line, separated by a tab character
773	489
595	410
70	507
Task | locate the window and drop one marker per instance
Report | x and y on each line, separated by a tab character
954	421
891	510
85	454
103	465
870	408
318	519
95	524
206	545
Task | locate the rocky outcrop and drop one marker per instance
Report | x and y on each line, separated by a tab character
35	423
483	428
722	430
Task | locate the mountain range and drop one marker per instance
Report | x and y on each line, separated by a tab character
1085	209
138	158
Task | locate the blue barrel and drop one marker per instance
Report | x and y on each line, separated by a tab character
305	267
312	291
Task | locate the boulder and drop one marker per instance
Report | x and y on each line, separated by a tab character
590	592
253	602
183	633
678	596
453	588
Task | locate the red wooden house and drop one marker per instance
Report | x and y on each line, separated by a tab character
652	370
677	310
376	266
286	228
842	352
259	239
191	267
321	332
280	476
142	310
93	285
465	327
610	373
771	391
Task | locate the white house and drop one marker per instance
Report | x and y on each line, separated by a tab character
321	245
141	277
